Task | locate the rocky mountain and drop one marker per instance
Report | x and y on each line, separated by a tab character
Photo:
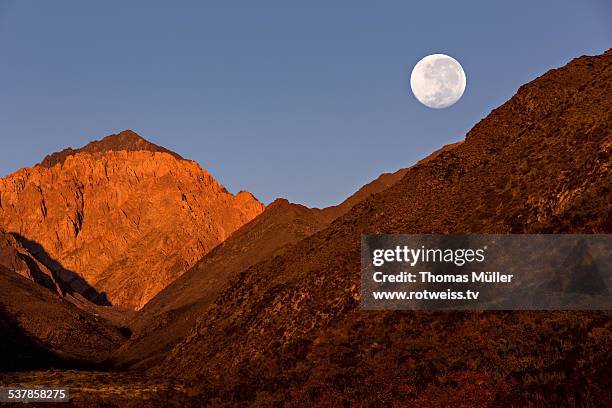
168	317
126	215
290	328
171	314
36	266
40	329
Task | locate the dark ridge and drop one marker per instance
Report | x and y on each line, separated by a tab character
35	326
126	140
20	352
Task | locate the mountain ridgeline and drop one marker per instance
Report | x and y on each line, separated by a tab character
123	254
170	315
290	327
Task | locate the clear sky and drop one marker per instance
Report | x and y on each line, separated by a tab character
304	100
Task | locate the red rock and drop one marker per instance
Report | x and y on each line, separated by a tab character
14	257
126	215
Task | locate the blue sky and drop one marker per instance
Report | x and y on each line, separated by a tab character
302	100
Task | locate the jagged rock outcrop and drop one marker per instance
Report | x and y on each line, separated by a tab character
16	258
126	215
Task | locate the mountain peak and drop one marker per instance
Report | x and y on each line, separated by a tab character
126	137
127	140
103	216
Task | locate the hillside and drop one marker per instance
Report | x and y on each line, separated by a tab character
40	329
290	328
169	316
381	183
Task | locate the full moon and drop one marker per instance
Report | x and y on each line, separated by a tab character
437	81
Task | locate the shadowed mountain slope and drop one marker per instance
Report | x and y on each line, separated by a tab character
383	182
127	216
39	329
290	328
169	316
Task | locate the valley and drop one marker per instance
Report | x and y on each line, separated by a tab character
135	277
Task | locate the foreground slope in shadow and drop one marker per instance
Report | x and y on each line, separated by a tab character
290	328
170	315
40	329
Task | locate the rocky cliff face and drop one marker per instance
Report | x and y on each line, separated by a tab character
290	328
126	215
